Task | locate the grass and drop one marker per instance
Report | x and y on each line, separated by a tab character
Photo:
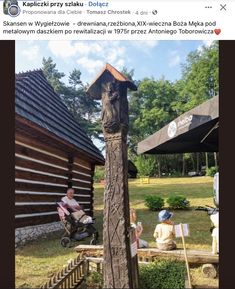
197	190
39	260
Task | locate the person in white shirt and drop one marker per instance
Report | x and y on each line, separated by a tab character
138	229
74	208
70	202
164	232
215	233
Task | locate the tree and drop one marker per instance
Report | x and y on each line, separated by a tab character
83	108
146	165
129	74
150	108
52	74
199	80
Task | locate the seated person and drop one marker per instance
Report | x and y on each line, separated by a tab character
215	233
74	208
138	229
164	233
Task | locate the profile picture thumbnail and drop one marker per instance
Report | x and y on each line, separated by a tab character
11	8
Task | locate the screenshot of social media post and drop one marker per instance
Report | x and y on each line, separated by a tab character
116	141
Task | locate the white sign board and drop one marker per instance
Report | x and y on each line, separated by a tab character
178	230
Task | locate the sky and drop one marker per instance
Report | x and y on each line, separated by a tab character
147	58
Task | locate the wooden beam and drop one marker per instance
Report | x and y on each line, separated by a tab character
30	164
26	151
40	150
194	256
39	187
50	198
33	220
23	157
32	176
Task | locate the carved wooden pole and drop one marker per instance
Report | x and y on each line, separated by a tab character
111	86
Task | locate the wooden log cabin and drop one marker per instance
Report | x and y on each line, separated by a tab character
52	153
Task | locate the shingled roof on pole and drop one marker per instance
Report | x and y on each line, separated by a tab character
36	101
94	89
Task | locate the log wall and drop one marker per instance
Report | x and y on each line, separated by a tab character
42	176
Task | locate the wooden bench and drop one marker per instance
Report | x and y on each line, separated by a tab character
150	254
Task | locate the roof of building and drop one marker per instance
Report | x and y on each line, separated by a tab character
36	101
94	90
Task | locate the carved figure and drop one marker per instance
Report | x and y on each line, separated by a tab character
110	108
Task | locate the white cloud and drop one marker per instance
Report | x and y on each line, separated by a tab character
103	50
120	64
90	54
145	46
63	49
174	58
89	64
31	53
206	43
112	54
151	43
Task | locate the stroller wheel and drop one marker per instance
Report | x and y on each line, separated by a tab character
94	238
65	242
96	235
93	241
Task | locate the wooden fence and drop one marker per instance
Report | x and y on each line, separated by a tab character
69	277
90	259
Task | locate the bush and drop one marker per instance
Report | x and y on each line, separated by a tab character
146	165
99	174
163	274
94	280
154	202
177	202
175	174
210	172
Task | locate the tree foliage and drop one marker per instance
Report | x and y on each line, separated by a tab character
146	165
52	74
83	108
200	78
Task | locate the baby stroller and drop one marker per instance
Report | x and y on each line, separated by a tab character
76	229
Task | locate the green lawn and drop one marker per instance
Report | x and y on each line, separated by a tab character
37	261
197	190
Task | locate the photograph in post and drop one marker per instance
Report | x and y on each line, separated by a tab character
116	163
